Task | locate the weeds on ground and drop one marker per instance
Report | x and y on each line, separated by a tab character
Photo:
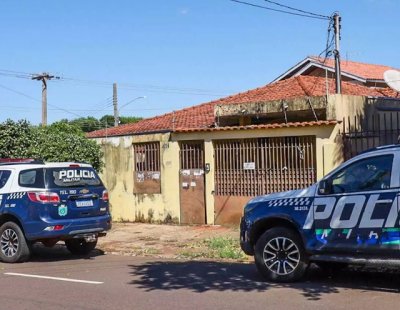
216	248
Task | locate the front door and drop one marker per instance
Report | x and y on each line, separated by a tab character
361	212
191	180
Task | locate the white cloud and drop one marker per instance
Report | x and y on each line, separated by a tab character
184	11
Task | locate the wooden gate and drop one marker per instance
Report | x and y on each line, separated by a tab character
250	167
191	180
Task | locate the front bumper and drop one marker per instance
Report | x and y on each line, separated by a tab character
245	243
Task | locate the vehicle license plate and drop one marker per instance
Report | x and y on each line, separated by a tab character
84	203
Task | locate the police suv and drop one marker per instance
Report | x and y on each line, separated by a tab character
50	202
351	216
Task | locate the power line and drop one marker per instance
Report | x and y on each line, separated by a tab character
148	88
19	93
279	11
298	10
35	99
17	74
130	86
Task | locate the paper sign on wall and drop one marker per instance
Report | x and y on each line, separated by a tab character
249	166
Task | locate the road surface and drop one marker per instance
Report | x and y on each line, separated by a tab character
55	280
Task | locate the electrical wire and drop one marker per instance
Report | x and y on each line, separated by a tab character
37	100
277	10
130	86
298	10
148	88
19	93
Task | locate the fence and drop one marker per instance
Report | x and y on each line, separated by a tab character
251	167
362	133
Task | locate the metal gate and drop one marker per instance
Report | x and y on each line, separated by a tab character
191	179
250	167
362	133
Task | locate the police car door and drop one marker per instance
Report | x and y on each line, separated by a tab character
359	211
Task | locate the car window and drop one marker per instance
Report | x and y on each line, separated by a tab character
368	174
31	178
4	176
72	177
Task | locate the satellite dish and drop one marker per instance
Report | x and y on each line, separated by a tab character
392	78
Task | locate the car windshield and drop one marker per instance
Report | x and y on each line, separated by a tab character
72	177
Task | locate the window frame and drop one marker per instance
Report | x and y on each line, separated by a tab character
355	162
2	185
147	171
39	173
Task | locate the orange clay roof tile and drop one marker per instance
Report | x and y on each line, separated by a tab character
363	70
202	116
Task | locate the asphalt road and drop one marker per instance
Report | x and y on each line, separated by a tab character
122	282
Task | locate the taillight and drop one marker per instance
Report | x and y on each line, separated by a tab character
105	195
44	197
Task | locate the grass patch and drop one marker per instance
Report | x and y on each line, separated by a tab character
217	248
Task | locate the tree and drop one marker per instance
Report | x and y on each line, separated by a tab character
90	123
15	139
87	124
58	142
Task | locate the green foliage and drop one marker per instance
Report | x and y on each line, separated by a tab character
222	247
86	124
129	119
109	120
215	248
60	141
15	139
90	123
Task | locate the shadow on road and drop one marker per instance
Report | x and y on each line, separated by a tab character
218	276
58	253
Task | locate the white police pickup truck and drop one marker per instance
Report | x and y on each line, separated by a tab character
50	202
351	216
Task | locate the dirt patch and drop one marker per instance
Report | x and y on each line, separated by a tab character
167	241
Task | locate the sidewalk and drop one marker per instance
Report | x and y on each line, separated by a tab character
167	241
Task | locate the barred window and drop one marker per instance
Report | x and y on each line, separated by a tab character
147	174
251	167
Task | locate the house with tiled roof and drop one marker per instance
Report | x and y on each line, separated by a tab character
199	165
354	72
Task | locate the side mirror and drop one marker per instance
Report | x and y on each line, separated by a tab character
325	187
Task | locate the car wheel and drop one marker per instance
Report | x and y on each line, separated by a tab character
80	246
13	245
280	255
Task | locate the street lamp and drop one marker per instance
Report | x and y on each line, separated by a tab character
129	102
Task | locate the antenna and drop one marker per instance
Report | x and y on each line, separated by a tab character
392	78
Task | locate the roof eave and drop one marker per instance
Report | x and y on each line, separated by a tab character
133	134
297	70
291	70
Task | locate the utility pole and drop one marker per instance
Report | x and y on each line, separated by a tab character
336	23
115	104
44	77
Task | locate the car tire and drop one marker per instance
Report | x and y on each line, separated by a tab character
13	245
280	255
80	246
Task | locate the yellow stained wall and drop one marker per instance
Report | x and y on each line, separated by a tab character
165	207
118	172
118	157
118	178
327	153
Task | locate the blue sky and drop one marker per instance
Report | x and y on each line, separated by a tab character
177	53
